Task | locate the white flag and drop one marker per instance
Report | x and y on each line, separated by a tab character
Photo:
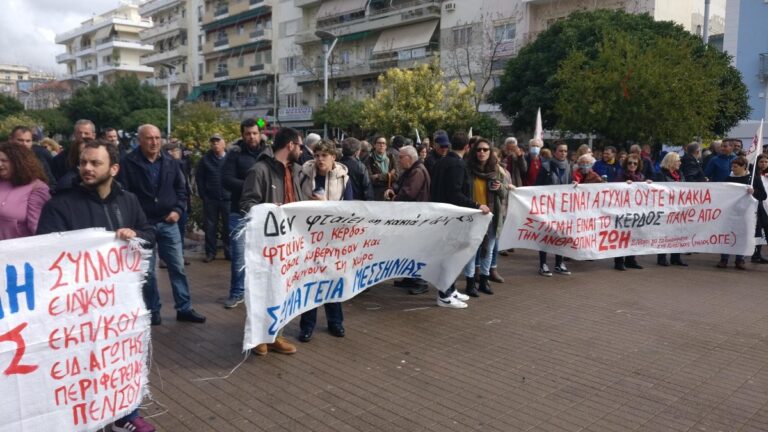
418	138
537	132
756	146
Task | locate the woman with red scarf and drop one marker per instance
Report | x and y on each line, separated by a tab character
670	172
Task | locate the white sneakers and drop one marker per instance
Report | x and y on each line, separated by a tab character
559	269
451	302
544	270
459	296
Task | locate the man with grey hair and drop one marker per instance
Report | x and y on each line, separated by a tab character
690	163
514	161
307	149
158	182
358	173
412	186
69	159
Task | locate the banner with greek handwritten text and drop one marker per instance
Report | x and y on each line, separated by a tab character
74	331
302	255
592	221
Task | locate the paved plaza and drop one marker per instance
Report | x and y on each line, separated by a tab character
655	350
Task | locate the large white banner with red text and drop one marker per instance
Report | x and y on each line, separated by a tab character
301	255
592	221
74	331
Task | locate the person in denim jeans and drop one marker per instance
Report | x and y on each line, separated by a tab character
159	184
240	158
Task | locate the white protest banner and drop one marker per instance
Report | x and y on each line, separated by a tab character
301	255
606	220
74	331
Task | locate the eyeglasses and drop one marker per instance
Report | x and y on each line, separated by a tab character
631	163
381	142
483	149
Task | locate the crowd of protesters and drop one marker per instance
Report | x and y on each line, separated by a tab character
145	191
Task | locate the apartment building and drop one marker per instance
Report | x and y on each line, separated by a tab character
372	36
106	46
746	39
177	45
237	56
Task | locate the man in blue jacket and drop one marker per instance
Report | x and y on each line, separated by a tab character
159	184
719	167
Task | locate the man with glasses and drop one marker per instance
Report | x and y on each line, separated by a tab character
274	179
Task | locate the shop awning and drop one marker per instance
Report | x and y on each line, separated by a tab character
234	19
406	37
334	8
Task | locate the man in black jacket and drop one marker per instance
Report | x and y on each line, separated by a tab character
158	183
239	161
22	135
451	184
99	202
215	198
358	173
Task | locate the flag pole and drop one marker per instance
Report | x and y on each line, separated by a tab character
757	142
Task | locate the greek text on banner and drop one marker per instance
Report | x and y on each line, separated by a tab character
74	331
593	221
301	255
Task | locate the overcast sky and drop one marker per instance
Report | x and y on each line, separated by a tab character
28	29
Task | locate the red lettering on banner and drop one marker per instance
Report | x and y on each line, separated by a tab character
14	336
614	239
283	251
93	266
542	204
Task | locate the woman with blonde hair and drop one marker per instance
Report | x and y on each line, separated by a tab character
670	172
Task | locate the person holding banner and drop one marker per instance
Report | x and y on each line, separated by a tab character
761	176
740	174
632	171
608	167
100	202
23	191
274	178
412	186
489	188
670	172
323	179
556	171
451	184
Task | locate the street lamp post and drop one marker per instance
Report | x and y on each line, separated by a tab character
171	68
329	42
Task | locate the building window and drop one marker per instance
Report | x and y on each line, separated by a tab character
462	36
344	85
241	29
221	67
419	53
344	57
404	55
199	71
240	61
21	77
505	32
289	64
292	100
200	14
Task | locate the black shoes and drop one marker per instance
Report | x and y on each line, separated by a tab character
679	263
190	315
155	319
305	336
471	290
485	287
632	264
662	261
336	330
620	266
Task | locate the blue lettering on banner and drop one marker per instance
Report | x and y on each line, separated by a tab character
14	289
318	292
376	272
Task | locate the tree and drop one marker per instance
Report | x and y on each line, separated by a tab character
530	82
110	105
487	127
630	92
195	123
53	120
11	121
155	116
344	113
420	99
9	106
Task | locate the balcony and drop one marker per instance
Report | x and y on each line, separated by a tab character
123	43
125	67
377	19
154	6
65	57
253	70
168	28
164	56
306	3
99	22
218	43
85	51
255	3
763	68
221	74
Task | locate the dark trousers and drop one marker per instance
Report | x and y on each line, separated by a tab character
216	215
333	314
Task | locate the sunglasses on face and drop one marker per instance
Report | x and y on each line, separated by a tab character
483	149
631	163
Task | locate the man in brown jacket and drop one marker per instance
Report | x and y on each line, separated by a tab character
413	185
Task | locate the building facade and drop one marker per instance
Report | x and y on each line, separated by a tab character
175	37
106	46
746	39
